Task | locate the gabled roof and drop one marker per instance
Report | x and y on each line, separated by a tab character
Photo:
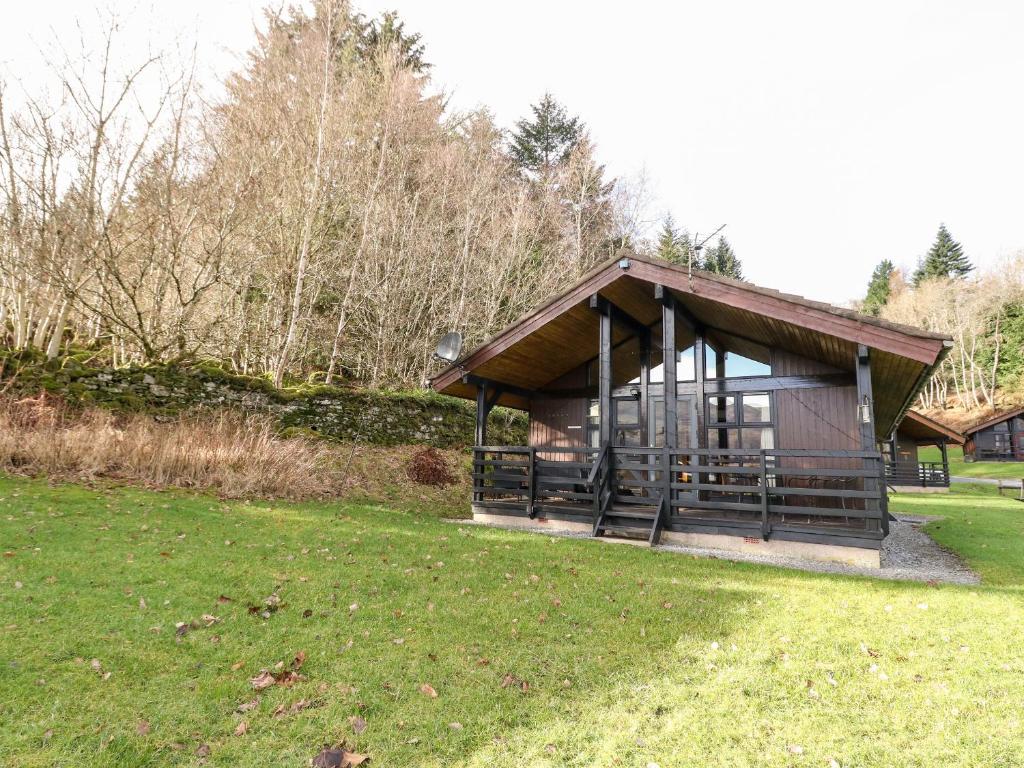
993	421
562	334
920	428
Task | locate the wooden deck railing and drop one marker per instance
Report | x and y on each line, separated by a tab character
926	474
775	487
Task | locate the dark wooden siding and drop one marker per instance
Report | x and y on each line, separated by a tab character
788	364
825	417
906	449
551	419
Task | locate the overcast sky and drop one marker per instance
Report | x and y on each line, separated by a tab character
826	136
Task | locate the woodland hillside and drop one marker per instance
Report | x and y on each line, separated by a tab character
325	217
981	309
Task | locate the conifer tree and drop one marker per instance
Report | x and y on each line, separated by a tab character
878	288
945	258
673	244
547	140
722	260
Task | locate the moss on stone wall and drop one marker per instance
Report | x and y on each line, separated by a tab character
377	417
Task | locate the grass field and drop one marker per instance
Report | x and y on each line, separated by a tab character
541	652
1013	470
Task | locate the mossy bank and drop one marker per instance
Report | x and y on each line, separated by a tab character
377	417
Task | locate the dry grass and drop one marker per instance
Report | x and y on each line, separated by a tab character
220	451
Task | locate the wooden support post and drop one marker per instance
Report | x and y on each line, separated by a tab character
605	371
668	351
866	424
765	529
481	414
645	382
532	481
699	372
943	449
666	484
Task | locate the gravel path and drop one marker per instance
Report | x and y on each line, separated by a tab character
908	554
977	480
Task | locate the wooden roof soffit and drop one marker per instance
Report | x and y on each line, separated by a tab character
921	346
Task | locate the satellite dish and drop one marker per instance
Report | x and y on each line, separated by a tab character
449	347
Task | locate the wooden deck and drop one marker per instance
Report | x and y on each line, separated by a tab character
834	497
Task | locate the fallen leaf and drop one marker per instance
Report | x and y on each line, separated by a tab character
242	728
263	680
203	750
338	757
237	666
358	724
247	706
142	727
428	690
223	599
514	682
455	726
796	749
295	707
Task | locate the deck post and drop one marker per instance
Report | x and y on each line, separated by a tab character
481	413
605	369
668	352
532	482
945	460
866	424
645	382
666	483
670	399
764	496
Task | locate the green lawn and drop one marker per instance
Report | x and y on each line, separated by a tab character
1013	470
542	652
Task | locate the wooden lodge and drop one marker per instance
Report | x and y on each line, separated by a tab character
903	469
775	409
999	439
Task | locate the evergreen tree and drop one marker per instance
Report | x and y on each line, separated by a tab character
674	245
722	260
878	289
389	31
547	140
945	259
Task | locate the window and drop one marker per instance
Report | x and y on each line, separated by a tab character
627	421
743	420
685	351
757	409
722	409
594	424
727	357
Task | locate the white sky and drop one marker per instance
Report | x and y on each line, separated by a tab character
827	136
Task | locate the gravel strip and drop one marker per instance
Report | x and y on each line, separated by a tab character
908	554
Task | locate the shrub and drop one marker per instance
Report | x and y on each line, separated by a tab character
429	467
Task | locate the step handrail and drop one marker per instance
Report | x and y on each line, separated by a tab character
598	461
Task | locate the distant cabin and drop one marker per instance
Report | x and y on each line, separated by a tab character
1001	438
687	407
903	469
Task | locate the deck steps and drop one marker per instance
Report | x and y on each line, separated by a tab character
627	522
